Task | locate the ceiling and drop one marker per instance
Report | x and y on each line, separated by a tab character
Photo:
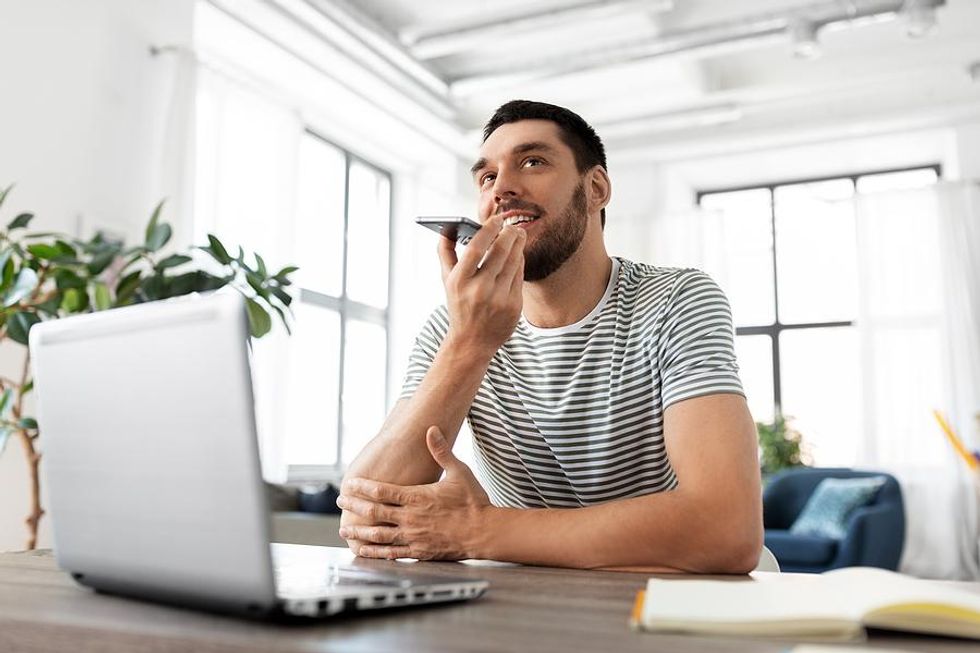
653	71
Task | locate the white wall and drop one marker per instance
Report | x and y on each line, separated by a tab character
83	109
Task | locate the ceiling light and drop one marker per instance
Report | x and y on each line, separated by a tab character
920	16
803	38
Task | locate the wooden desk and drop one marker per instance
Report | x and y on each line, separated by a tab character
526	609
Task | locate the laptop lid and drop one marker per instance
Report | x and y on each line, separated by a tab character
151	454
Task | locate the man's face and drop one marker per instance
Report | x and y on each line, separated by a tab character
528	175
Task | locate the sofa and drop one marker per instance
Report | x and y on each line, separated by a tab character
873	534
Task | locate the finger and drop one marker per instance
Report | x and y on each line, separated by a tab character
439	447
376	513
379	492
447	256
372	534
499	253
385	552
515	259
481	242
517	282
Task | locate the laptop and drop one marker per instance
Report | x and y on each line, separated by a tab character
152	462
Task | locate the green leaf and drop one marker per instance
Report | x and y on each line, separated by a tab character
27	423
23	286
126	287
5	432
72	302
3	193
65	250
255	281
285	272
282	316
5	400
282	296
103	299
27	387
8	274
19	325
100	262
65	278
259	321
173	261
218	251
151	227
160	237
261	265
20	221
50	306
43	251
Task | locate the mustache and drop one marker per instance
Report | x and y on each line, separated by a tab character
519	205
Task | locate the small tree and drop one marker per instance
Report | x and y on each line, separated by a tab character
45	276
780	445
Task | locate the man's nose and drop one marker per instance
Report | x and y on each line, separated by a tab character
505	186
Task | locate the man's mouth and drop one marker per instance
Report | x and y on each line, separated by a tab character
515	217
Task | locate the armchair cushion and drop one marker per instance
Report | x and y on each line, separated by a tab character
828	510
800	550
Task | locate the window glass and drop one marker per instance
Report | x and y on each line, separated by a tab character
367	236
755	371
747	225
319	230
365	354
312	380
821	390
904	180
816	257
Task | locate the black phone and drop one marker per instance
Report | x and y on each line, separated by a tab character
453	227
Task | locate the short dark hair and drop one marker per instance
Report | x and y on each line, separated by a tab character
577	134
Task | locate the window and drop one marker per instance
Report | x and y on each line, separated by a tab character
337	362
792	261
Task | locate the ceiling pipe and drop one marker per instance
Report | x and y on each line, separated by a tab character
714	39
460	36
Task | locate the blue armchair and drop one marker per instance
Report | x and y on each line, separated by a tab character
875	533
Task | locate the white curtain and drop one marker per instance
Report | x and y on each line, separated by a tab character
919	324
247	152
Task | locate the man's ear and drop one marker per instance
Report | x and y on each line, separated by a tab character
600	189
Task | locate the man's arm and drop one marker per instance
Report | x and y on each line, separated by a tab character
483	295
712	521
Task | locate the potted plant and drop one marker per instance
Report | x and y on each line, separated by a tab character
45	276
780	445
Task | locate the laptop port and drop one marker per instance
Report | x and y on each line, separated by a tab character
441	594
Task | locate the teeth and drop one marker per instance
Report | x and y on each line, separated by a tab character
517	219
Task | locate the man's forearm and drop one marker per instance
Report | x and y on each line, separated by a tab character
665	531
398	454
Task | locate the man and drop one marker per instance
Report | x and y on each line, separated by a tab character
609	424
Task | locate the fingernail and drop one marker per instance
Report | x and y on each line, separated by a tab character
343	532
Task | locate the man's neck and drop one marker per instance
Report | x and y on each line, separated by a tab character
571	292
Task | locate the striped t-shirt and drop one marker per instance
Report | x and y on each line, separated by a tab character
573	416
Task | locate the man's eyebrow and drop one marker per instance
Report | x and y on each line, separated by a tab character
523	148
479	165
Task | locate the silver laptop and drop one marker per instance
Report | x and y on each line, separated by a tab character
155	488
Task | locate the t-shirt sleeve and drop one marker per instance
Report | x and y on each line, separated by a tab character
697	341
427	343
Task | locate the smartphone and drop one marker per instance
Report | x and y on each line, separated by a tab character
453	227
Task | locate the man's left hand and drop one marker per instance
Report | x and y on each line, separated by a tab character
445	520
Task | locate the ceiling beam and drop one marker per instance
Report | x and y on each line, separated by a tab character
460	36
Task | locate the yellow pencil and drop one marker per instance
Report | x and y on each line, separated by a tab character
636	617
971	462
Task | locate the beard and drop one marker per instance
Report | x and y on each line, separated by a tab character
560	240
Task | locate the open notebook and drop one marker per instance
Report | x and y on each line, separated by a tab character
836	605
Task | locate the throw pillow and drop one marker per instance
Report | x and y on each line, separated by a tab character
830	506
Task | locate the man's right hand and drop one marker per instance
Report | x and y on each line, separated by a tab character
484	302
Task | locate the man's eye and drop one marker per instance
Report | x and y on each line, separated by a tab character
487	178
532	161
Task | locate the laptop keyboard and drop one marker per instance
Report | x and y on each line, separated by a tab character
298	579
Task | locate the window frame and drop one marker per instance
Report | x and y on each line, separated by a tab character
776	328
347	309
